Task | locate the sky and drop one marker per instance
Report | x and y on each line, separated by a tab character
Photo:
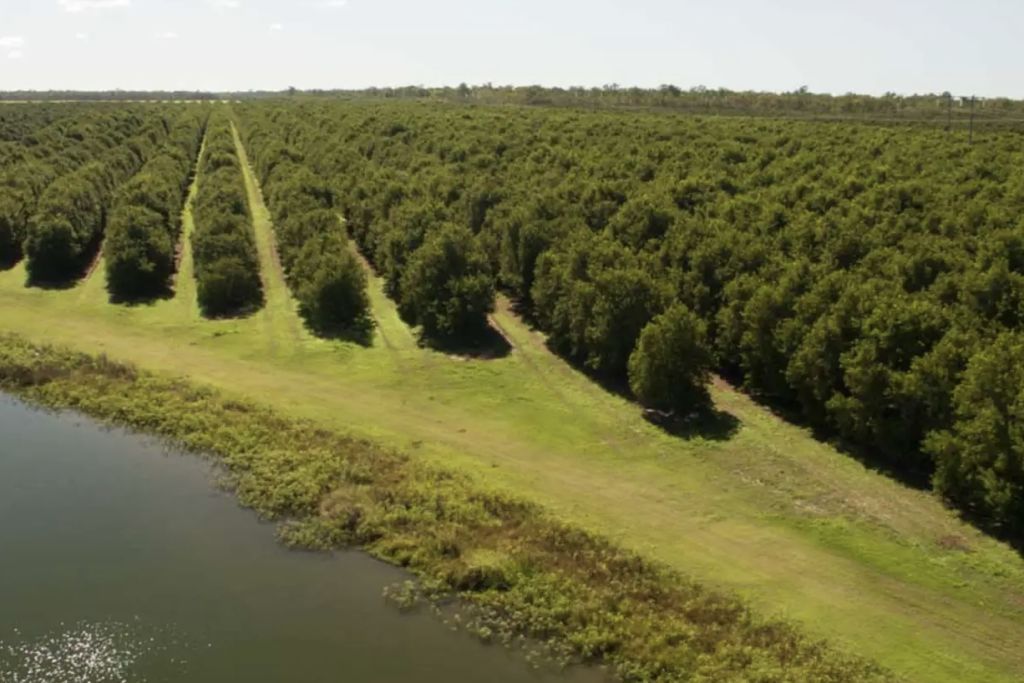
864	46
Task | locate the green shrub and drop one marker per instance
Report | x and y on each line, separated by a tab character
139	253
330	284
447	286
671	366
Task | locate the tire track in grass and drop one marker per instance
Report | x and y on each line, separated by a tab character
558	377
280	311
184	273
266	314
374	313
391	334
92	284
394	334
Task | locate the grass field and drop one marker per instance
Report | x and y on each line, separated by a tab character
758	507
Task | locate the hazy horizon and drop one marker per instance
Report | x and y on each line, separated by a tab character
869	47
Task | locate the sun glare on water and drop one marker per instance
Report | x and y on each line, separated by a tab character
82	653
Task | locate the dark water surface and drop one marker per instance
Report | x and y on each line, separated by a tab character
122	562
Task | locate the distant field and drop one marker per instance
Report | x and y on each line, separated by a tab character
757	506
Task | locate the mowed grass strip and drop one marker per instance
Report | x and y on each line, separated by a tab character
185	298
389	330
763	509
279	315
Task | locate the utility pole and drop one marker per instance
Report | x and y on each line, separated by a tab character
949	112
970	139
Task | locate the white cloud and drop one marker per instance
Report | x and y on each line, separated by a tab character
82	36
75	6
225	4
277	27
168	35
331	3
13	45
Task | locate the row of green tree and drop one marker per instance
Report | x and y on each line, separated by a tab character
223	243
323	272
64	233
54	144
144	227
441	278
869	277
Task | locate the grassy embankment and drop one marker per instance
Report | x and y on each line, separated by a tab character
761	509
520	573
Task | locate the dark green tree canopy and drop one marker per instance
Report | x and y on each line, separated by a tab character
447	287
671	366
980	463
223	243
331	285
139	253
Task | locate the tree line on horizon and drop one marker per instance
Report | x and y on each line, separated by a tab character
956	110
943	107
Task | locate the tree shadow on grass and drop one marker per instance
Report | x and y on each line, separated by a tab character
710	424
57	285
69	279
488	344
359	332
238	312
718	425
65	275
141	299
913	472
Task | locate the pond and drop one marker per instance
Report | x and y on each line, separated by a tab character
121	561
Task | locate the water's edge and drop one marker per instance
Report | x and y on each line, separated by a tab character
124	561
524	573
